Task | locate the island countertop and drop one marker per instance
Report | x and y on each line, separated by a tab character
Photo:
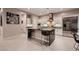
36	33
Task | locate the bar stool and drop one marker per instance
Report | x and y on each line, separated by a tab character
47	34
76	38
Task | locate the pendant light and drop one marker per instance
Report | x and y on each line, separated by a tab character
50	14
50	21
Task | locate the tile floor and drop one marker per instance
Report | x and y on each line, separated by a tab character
20	43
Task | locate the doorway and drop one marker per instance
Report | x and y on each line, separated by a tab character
70	26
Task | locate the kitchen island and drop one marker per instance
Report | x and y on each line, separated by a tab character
45	36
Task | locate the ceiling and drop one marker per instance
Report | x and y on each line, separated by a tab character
44	11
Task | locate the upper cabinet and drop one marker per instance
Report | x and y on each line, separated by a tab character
29	19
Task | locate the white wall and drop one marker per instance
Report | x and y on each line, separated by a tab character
35	21
43	19
28	21
23	18
10	30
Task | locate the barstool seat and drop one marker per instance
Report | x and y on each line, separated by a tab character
76	38
47	34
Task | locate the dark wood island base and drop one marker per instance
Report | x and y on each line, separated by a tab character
49	35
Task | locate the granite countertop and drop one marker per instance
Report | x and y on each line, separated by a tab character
48	29
45	27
